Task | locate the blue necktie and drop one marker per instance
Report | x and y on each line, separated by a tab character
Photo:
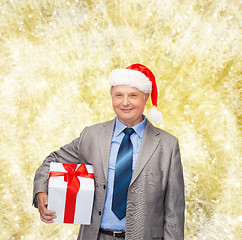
123	174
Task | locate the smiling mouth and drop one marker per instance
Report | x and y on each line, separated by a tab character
126	110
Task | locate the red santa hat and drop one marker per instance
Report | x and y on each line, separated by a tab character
139	76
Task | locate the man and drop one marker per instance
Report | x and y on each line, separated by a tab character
139	187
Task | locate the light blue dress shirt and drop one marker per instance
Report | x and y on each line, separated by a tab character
109	219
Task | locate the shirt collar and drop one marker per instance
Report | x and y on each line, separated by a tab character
138	128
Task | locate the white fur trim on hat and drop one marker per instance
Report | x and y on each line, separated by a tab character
155	115
131	78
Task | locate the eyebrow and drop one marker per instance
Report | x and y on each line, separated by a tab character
131	93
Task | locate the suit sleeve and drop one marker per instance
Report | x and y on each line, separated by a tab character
68	153
175	199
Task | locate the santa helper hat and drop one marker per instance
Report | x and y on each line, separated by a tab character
139	76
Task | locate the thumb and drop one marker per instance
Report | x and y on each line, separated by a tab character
45	199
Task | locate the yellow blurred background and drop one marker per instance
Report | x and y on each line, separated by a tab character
55	59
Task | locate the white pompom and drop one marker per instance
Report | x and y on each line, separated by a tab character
155	115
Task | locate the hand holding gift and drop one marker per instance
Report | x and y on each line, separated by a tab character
46	215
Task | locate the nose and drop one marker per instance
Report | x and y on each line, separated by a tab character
125	101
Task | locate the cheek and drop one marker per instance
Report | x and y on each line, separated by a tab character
138	104
115	103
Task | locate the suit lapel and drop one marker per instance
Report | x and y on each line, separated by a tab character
149	144
105	139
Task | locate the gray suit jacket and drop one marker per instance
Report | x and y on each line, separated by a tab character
155	204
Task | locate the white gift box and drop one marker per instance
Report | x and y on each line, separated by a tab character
57	194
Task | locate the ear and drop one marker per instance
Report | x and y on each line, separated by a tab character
146	96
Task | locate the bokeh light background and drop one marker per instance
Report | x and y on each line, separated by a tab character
55	59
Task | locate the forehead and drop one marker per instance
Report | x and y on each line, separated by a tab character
125	89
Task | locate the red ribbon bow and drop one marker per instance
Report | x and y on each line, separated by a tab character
73	186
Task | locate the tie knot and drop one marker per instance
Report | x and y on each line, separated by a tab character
128	131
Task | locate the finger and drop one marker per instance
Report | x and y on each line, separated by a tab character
47	216
46	220
48	212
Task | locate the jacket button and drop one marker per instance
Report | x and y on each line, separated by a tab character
99	212
104	187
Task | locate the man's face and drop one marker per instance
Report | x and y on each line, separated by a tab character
128	104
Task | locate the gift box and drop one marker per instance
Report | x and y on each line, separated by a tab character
71	192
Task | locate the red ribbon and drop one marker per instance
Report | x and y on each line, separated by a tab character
73	186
